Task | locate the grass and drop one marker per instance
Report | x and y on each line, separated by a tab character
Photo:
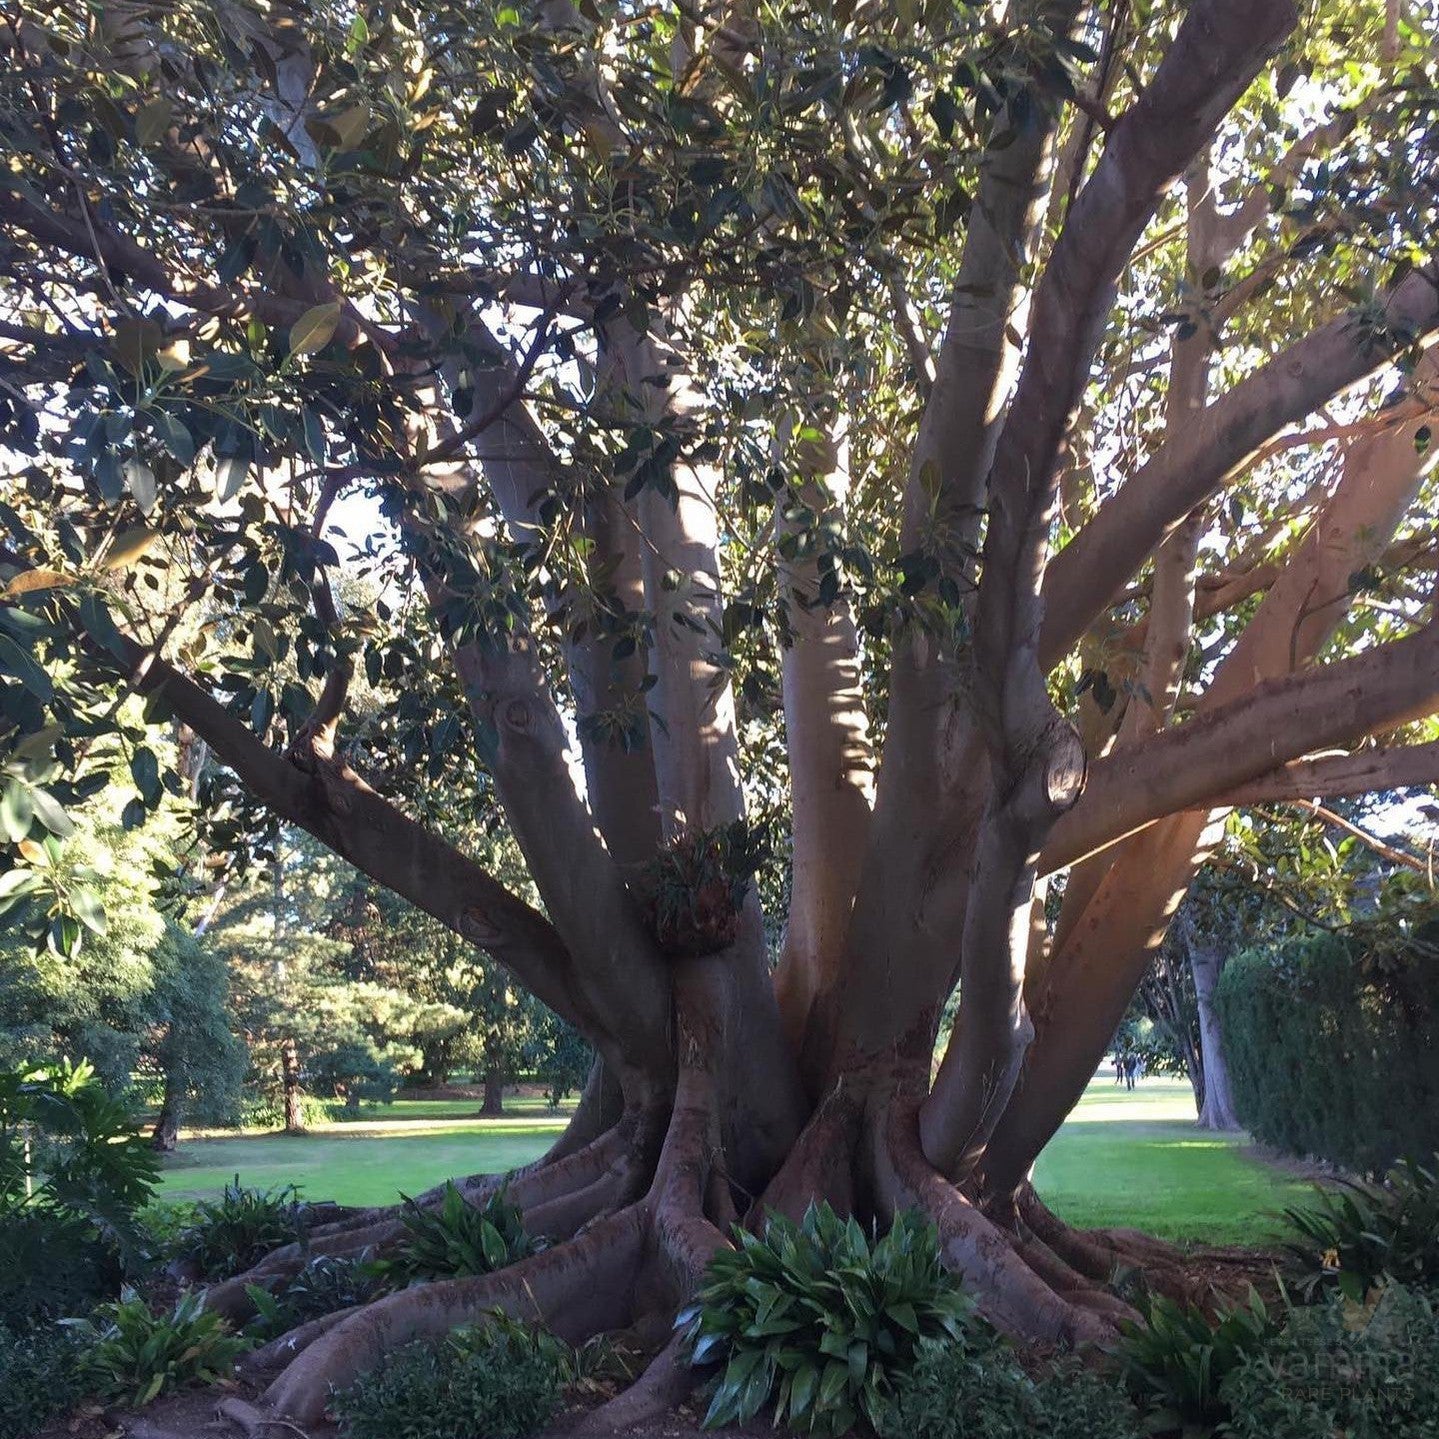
1136	1159
1122	1158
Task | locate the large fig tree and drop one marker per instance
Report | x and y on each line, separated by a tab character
973	446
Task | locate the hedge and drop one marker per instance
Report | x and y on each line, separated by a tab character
1332	1043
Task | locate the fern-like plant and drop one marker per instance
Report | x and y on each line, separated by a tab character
819	1316
693	890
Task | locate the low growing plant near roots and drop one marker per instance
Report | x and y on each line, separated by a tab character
323	1286
976	1390
819	1316
135	1355
457	1238
1177	1360
496	1380
230	1233
40	1377
1353	1235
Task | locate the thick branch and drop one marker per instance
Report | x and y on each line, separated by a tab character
1337	776
1192	765
1087	574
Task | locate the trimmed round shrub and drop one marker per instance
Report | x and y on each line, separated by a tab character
498	1380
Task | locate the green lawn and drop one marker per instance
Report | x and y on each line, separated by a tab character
1128	1159
1137	1160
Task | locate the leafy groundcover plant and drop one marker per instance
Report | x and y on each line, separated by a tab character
323	1286
457	1238
1177	1360
1344	1369
233	1232
1353	1235
496	1380
41	1376
819	1316
976	1389
135	1354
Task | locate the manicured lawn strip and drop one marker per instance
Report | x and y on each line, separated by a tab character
1136	1159
1122	1158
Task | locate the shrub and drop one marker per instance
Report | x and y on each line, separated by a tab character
819	1317
242	1226
53	1263
1177	1360
1353	1235
135	1355
977	1390
1337	1369
498	1380
457	1238
40	1378
1332	1043
323	1286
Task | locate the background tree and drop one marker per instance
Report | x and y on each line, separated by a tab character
1005	438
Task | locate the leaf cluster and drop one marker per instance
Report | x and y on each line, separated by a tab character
233	1232
1353	1236
819	1316
134	1354
456	1238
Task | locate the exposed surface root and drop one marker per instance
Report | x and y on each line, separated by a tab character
820	1166
1008	1292
667	1380
576	1290
279	1352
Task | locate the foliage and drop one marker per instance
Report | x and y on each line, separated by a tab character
975	1389
73	1174
324	1285
53	1263
135	1354
1333	1042
496	1380
41	1376
1339	1369
1353	1235
233	1232
1177	1359
456	1238
819	1316
693	890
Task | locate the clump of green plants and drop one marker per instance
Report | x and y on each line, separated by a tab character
819	1316
495	1380
694	889
456	1238
976	1389
1176	1361
1340	1368
41	1376
74	1171
325	1285
135	1354
1353	1235
237	1230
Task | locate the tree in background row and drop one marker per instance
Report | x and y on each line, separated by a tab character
1002	442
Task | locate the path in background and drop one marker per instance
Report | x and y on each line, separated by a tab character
1122	1158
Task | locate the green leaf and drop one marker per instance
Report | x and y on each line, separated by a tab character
140	480
314	329
51	814
22	664
230	476
16	811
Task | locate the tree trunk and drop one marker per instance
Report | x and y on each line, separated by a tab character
1217	1110
290	1086
165	1137
494	1103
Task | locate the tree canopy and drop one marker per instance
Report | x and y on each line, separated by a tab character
953	447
